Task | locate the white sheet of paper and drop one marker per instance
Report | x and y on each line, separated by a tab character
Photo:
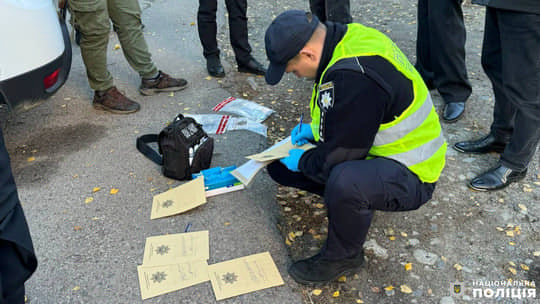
246	172
176	248
279	150
180	199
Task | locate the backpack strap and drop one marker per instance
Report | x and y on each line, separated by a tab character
144	147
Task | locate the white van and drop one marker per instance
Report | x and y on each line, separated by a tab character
35	52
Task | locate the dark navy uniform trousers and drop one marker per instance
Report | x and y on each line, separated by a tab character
353	191
17	259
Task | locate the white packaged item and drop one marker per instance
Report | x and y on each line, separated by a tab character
244	108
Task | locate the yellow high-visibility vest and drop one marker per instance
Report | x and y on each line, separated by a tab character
415	137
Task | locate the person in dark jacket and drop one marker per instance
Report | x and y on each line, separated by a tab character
332	10
511	60
17	258
379	144
440	53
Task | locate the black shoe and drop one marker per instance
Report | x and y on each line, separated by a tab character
486	144
252	67
214	67
318	270
453	111
496	178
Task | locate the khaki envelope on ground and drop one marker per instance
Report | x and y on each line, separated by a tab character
243	275
176	248
157	280
180	199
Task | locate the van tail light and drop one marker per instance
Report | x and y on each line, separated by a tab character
51	79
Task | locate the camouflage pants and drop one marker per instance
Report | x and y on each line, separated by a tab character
93	19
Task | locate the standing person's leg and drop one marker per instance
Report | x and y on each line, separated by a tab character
338	11
423	46
504	111
447	37
318	8
354	190
516	88
520	46
92	20
207	26
126	20
238	30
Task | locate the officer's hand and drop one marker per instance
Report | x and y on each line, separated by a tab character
303	136
291	161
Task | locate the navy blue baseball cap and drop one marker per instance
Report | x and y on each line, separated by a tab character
284	39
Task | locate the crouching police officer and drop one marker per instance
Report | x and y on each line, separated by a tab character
379	141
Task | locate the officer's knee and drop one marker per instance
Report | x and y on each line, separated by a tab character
346	184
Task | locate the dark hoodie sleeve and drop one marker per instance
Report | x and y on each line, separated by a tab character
350	124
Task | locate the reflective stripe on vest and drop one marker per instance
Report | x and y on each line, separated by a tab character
414	138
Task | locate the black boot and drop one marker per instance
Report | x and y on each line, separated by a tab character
318	270
496	178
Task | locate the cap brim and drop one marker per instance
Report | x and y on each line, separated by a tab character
274	73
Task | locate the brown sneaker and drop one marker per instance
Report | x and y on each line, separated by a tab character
113	101
163	83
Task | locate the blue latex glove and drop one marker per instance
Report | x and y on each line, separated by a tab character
291	161
302	137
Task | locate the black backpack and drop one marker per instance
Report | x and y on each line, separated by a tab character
184	148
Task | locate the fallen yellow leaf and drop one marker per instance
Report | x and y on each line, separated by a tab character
408	266
403	234
458	267
342	279
76	288
316	292
522	207
524	267
96	189
359	301
77	228
31	159
89	200
291	236
512	264
192	23
392	238
405	289
335	294
208	78
287	242
114	191
512	270
509	233
389	287
116	46
536	253
227	224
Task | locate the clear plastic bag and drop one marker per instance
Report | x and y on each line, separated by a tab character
219	124
245	108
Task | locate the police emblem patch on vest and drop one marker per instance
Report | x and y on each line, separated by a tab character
326	96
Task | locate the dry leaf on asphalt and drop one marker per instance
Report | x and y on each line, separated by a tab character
114	191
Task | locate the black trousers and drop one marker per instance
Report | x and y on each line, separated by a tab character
238	31
17	259
354	190
511	59
440	48
332	10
